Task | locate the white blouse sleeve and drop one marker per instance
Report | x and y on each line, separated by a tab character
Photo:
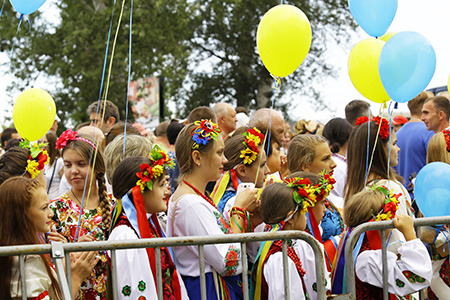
36	277
273	273
307	257
411	273
197	217
134	275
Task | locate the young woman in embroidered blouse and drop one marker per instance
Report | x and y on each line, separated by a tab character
87	178
24	213
283	208
199	152
408	272
139	185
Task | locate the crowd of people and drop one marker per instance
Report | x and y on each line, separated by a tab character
225	171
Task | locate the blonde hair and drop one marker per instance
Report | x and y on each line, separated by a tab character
437	149
135	145
362	206
302	151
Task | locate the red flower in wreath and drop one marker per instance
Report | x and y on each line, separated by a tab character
384	128
146	173
446	133
361	120
41	159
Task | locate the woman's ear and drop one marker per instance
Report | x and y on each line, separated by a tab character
241	170
196	157
291	220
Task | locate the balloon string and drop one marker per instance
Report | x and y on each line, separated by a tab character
98	106
281	2
1	11
129	79
374	146
368	144
276	83
15	37
390	111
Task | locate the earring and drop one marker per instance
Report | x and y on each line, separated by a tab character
198	164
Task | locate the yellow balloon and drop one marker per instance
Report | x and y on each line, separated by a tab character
33	113
283	39
387	36
363	70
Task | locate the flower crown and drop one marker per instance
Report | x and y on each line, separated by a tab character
204	132
446	133
384	128
158	161
37	159
306	194
68	136
390	204
253	140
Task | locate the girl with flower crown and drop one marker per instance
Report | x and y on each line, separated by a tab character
200	156
408	272
383	156
139	185
24	213
83	213
283	207
311	153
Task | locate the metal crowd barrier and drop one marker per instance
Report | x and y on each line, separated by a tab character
382	225
59	250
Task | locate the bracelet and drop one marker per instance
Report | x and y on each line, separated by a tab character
246	215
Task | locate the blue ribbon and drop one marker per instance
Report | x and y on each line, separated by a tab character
129	80
1	11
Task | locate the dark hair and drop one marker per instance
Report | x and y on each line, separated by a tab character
85	150
12	143
111	110
173	130
441	103
13	163
200	113
161	129
118	129
357	158
415	105
241	109
17	227
124	177
337	131
52	151
277	200
183	149
6	135
355	109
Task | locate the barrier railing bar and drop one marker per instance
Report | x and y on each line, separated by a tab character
287	292
384	264
57	259
418	234
159	274
23	284
380	225
180	241
201	257
244	269
68	271
115	290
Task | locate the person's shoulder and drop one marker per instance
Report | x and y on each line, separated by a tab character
61	200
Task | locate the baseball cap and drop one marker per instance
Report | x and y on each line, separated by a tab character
399	120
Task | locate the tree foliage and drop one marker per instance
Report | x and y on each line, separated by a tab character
205	50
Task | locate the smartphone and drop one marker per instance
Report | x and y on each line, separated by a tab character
245	185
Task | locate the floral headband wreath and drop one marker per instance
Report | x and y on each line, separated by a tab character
70	135
253	139
204	132
159	160
390	204
306	194
446	133
383	128
37	159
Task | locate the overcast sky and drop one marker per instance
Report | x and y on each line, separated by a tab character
429	18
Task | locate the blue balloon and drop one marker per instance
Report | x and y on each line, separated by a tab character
26	7
374	16
432	189
407	64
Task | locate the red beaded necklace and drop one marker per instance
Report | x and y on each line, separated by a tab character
200	193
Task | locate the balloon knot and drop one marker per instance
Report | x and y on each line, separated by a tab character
276	82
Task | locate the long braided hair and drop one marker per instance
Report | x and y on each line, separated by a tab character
96	161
